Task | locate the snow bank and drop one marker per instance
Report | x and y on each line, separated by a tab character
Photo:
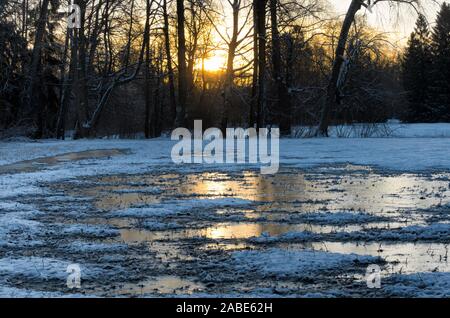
421	285
12	292
89	247
16	228
179	207
281	262
436	232
36	267
392	129
341	218
97	231
439	130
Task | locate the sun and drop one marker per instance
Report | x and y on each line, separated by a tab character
214	63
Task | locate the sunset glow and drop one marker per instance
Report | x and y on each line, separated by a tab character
215	63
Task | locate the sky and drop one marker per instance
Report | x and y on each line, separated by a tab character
399	24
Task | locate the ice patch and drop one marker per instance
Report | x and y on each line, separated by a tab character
161	226
423	285
89	247
341	218
89	230
281	262
177	207
34	267
12	292
437	232
15	227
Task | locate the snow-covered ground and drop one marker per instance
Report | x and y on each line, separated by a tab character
132	218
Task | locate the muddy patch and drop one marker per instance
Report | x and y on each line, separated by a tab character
42	163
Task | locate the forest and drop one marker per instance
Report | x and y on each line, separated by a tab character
133	68
100	197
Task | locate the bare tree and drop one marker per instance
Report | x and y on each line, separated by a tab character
332	91
182	71
260	8
170	75
234	43
282	109
30	109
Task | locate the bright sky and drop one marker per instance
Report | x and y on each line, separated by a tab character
384	16
389	19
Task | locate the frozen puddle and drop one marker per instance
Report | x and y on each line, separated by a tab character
162	285
290	190
40	163
189	233
403	258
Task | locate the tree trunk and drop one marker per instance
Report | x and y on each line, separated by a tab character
83	106
282	109
172	98
93	40
30	109
261	29
332	91
130	30
64	91
253	102
156	102
229	76
194	38
147	83
288	75
182	78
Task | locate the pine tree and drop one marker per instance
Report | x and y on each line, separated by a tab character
417	67
441	64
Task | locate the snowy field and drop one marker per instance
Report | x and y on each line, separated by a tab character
139	225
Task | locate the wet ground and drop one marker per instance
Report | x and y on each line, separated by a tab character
309	232
45	162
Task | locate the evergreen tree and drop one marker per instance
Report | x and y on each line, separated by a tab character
441	64
417	68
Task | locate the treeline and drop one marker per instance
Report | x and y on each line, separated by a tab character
139	67
426	70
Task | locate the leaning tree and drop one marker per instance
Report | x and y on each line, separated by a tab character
332	97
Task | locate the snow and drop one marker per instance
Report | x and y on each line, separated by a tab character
340	218
88	247
13	292
439	130
398	152
422	285
37	267
392	129
436	232
433	232
159	226
282	263
98	231
411	148
16	228
178	207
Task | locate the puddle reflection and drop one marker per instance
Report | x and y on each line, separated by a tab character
161	285
402	257
310	192
40	163
278	199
